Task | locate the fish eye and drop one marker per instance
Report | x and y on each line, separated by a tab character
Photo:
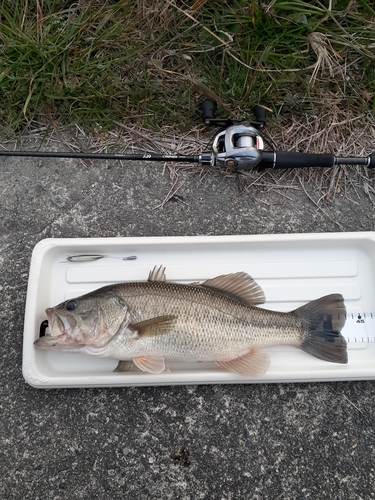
71	305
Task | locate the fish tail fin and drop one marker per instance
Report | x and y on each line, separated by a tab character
324	319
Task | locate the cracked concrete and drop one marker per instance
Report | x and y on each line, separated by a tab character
285	441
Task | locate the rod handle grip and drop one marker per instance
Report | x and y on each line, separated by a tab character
291	159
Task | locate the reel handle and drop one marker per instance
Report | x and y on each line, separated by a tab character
208	107
260	116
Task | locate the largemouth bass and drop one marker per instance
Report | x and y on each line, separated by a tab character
217	320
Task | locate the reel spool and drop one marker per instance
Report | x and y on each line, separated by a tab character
239	145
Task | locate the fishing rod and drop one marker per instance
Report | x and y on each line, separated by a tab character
238	146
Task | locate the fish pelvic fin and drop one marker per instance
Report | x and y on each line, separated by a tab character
124	366
157	274
324	317
154	326
150	364
255	363
147	363
239	286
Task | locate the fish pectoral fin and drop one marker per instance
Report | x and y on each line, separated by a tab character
154	326
157	274
150	364
239	286
124	365
254	363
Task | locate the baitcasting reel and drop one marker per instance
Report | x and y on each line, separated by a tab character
239	146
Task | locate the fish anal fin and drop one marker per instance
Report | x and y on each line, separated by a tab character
150	364
254	363
239	286
154	326
124	366
157	274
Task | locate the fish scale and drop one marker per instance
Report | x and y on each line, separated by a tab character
209	325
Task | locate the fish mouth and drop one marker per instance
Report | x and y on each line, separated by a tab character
61	333
59	323
59	342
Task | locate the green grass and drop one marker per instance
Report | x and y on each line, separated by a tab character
151	62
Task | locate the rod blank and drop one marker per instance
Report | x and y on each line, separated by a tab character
270	159
103	156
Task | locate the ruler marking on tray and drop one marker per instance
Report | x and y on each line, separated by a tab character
359	327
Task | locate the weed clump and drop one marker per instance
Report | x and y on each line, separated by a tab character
148	62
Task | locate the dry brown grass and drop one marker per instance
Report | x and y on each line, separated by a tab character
337	132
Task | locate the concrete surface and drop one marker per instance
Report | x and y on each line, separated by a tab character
281	441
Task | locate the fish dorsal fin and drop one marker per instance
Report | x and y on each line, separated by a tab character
157	274
239	286
154	326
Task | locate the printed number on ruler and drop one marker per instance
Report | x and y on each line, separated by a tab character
359	328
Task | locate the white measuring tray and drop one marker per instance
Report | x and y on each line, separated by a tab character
292	269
